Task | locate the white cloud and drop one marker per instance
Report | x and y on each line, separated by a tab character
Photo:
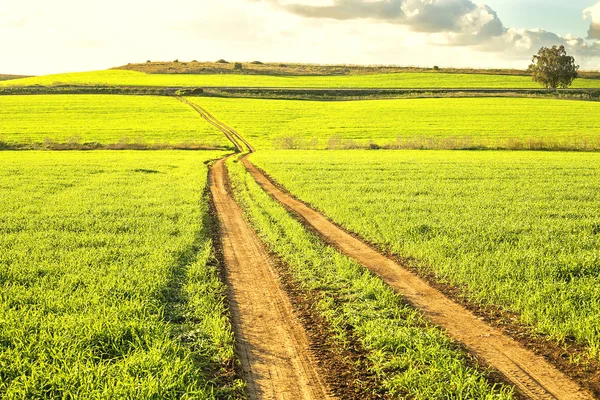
455	23
66	35
593	13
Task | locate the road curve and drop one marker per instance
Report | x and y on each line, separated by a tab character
270	342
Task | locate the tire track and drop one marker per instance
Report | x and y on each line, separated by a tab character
270	341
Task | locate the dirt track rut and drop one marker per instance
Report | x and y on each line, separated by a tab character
271	344
531	374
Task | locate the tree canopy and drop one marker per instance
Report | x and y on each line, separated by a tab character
553	68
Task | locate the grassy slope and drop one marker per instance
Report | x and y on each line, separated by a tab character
519	230
106	119
108	288
410	357
400	80
490	122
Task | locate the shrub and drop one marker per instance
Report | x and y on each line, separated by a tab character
257	63
221	61
238	66
176	61
436	68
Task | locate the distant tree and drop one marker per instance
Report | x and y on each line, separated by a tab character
148	61
221	61
553	68
176	61
436	68
238	66
257	62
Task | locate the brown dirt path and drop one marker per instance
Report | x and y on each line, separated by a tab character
271	344
531	374
237	140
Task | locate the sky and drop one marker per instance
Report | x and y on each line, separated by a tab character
41	37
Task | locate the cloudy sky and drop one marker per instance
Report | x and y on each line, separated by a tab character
40	36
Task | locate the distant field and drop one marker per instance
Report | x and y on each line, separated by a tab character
516	229
412	123
104	119
399	80
108	289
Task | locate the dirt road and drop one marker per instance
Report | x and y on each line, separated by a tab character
271	344
531	374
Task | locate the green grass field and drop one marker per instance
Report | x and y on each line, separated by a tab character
413	123
410	358
520	230
105	119
108	284
400	80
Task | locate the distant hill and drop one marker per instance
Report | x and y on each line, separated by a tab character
4	77
292	69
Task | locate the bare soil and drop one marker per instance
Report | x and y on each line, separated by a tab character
345	366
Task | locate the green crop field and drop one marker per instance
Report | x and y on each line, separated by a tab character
105	119
520	230
410	358
108	287
399	80
413	123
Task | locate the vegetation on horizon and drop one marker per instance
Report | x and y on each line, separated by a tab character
408	355
467	123
518	230
553	68
272	68
109	282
